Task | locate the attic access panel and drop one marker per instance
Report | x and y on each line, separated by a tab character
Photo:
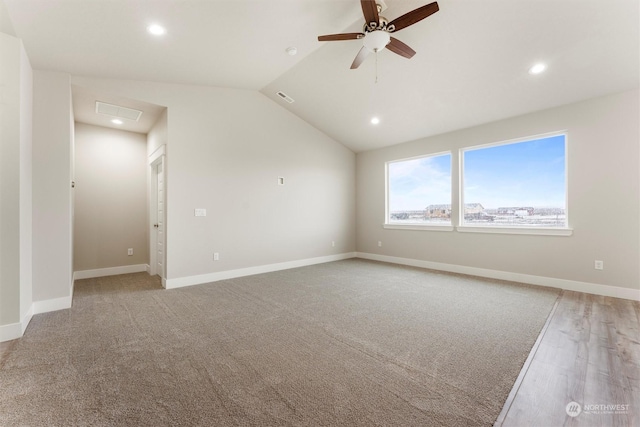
118	111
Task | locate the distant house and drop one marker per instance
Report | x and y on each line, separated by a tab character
438	211
444	211
406	215
473	208
516	211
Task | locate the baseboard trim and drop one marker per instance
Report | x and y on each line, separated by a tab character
54	304
11	331
26	319
14	331
250	271
570	285
110	271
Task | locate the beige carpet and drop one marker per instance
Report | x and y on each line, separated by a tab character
346	343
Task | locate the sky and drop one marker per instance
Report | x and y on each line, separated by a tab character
415	184
530	173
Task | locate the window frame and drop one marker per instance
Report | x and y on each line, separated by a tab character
515	229
417	226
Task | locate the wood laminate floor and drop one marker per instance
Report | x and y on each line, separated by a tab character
584	369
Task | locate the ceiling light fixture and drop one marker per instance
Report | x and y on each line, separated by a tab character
117	122
375	121
156	30
375	41
292	51
538	68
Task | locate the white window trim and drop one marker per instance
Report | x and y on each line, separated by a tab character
418	227
540	231
544	231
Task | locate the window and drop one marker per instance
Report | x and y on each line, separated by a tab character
518	184
419	191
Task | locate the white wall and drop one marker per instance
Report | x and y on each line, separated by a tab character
6	26
26	182
157	136
110	198
15	187
603	193
226	149
52	232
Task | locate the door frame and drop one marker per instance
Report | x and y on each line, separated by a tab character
156	158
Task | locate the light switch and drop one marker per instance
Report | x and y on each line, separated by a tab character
200	212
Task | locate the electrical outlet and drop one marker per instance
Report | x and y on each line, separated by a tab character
379	244
333	244
200	212
216	256
598	265
130	251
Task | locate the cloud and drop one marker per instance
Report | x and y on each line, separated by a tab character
415	184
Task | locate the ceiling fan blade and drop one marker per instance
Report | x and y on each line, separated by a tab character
370	11
344	36
414	16
396	46
364	52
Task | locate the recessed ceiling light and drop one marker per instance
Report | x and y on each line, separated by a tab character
291	51
156	30
375	121
538	68
117	121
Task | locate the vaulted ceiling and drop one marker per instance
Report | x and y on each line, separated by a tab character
471	65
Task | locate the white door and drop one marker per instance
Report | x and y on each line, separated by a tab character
160	235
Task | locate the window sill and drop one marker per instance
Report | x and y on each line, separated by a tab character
518	230
429	227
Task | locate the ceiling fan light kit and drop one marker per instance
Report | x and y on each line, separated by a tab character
376	31
376	40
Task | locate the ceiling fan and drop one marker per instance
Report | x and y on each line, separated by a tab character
376	31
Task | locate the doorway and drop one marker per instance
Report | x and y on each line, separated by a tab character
157	215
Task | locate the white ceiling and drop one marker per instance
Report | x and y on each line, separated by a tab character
471	66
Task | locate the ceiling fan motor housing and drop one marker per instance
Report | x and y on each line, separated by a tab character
381	25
